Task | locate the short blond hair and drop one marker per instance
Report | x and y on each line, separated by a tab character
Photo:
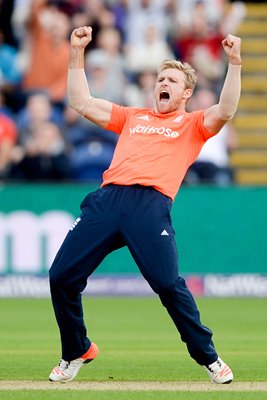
187	69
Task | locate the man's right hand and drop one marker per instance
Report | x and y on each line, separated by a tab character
80	37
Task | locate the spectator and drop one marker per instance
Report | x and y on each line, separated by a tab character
147	55
49	51
144	13
43	158
98	11
8	138
200	45
202	24
109	39
214	10
38	108
141	92
212	165
90	147
89	160
74	127
94	13
120	11
99	74
10	75
233	15
107	60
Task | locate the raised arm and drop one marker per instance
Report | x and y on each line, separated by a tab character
216	116
80	99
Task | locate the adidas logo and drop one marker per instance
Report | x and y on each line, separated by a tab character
164	233
144	117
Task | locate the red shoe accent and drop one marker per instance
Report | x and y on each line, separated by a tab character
90	354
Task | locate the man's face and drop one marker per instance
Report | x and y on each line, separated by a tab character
170	91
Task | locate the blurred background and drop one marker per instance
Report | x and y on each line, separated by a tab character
50	157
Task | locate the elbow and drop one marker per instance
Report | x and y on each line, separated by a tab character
72	103
226	114
80	104
76	105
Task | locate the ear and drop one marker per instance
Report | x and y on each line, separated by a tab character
188	93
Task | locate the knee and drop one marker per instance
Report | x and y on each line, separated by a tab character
55	277
170	288
162	288
57	274
61	277
59	282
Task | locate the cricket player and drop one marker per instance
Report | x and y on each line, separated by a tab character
132	207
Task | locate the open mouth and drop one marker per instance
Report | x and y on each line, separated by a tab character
164	96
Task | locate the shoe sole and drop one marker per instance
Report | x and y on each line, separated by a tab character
227	382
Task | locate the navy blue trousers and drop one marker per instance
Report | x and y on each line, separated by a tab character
113	217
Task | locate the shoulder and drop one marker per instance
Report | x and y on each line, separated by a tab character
195	118
196	114
128	111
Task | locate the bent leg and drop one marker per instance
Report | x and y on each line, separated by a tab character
83	249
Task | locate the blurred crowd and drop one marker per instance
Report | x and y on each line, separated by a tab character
42	138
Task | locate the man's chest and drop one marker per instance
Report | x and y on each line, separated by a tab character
148	126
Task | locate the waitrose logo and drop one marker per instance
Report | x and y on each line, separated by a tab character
29	242
149	130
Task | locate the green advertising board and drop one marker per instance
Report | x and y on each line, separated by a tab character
218	229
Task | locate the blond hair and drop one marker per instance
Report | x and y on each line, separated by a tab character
187	69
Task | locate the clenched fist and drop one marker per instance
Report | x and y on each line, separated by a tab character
232	48
80	37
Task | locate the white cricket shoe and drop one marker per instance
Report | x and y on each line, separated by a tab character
65	371
219	372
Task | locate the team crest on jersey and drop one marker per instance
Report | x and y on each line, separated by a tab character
179	118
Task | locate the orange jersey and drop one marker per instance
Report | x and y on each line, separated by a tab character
154	149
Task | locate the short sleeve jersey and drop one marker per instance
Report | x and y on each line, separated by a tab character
154	149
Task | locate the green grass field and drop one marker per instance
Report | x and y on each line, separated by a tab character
137	342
